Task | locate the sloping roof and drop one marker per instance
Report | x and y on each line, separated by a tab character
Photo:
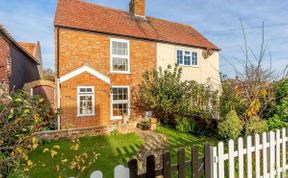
86	16
29	47
8	36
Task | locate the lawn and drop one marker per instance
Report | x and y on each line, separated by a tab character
177	139
113	150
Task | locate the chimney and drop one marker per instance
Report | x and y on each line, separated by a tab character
137	7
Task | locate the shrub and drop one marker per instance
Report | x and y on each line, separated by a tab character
255	125
231	127
21	116
279	109
164	93
185	125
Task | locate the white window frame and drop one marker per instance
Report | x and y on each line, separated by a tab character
183	54
119	102
85	94
120	56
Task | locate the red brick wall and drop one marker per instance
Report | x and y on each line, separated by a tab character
4	54
78	48
68	102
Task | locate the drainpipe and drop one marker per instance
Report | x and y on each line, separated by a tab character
58	104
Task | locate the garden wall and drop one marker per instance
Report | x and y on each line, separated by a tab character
73	133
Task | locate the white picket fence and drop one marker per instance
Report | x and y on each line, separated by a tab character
120	171
265	157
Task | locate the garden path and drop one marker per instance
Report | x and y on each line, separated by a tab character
154	143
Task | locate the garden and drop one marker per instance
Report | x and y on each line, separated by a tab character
188	113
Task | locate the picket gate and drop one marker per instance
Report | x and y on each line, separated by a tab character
261	156
120	171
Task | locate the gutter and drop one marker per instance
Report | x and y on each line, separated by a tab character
58	78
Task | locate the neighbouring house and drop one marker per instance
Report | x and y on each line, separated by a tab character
35	50
102	53
17	65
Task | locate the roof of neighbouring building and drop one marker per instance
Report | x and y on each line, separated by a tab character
87	16
9	37
33	49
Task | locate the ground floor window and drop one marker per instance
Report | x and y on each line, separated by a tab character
120	101
85	101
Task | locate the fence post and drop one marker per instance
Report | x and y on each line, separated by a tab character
208	161
240	158
133	168
264	150
278	151
181	163
249	157
284	152
231	159
215	162
150	167
257	156
272	153
221	168
195	162
166	165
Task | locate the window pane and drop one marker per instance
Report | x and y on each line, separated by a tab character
120	94
119	48
187	58
194	58
120	109
83	90
120	64
179	57
86	105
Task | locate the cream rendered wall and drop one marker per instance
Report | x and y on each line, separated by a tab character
207	70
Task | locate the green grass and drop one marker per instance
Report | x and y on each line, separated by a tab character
113	150
177	139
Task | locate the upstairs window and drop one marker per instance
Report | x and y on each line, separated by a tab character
120	102
120	56
85	101
187	58
194	59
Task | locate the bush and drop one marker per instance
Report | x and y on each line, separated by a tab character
231	127
185	125
255	125
164	93
21	116
279	109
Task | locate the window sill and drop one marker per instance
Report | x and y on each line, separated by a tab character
90	115
193	66
115	118
118	72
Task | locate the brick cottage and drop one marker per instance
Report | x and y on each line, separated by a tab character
102	53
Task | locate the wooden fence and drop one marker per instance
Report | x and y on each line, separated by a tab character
199	165
258	156
261	156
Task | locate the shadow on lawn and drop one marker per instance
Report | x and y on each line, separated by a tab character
113	150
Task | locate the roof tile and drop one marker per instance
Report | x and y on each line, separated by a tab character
92	17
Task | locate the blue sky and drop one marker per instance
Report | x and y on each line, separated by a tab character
217	20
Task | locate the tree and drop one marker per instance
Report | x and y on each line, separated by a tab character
48	74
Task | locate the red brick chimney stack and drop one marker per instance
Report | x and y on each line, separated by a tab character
137	7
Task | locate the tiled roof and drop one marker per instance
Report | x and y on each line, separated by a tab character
29	47
86	16
8	36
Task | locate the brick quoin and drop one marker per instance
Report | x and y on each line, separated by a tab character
78	48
